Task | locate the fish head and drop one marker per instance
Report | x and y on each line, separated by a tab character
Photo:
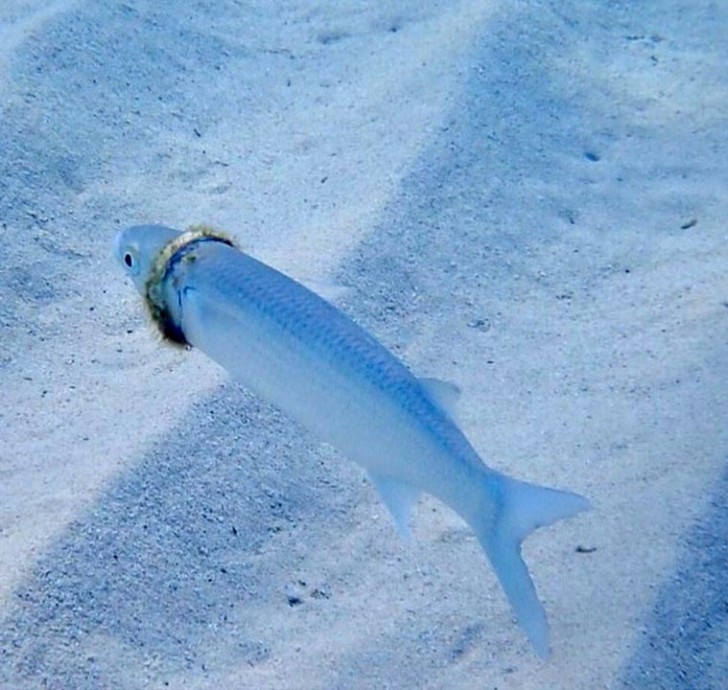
137	247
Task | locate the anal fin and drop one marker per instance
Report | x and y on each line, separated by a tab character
399	498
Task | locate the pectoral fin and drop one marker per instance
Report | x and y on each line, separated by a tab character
399	499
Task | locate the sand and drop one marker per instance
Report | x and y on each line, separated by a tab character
527	199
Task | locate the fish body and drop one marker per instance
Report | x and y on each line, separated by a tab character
299	352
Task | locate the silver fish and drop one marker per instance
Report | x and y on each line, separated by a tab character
305	356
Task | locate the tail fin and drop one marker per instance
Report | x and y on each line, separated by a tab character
520	509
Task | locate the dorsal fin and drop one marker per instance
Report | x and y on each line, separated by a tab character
331	292
445	394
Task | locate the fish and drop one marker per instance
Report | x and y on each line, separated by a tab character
301	353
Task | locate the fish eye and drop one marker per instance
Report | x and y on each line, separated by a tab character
128	259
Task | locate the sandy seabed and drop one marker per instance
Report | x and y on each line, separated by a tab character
528	198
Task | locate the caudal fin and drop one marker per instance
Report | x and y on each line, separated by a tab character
520	509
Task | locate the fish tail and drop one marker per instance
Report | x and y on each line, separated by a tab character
517	509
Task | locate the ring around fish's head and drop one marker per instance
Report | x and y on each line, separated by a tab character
136	249
148	254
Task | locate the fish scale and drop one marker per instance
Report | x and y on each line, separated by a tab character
313	323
